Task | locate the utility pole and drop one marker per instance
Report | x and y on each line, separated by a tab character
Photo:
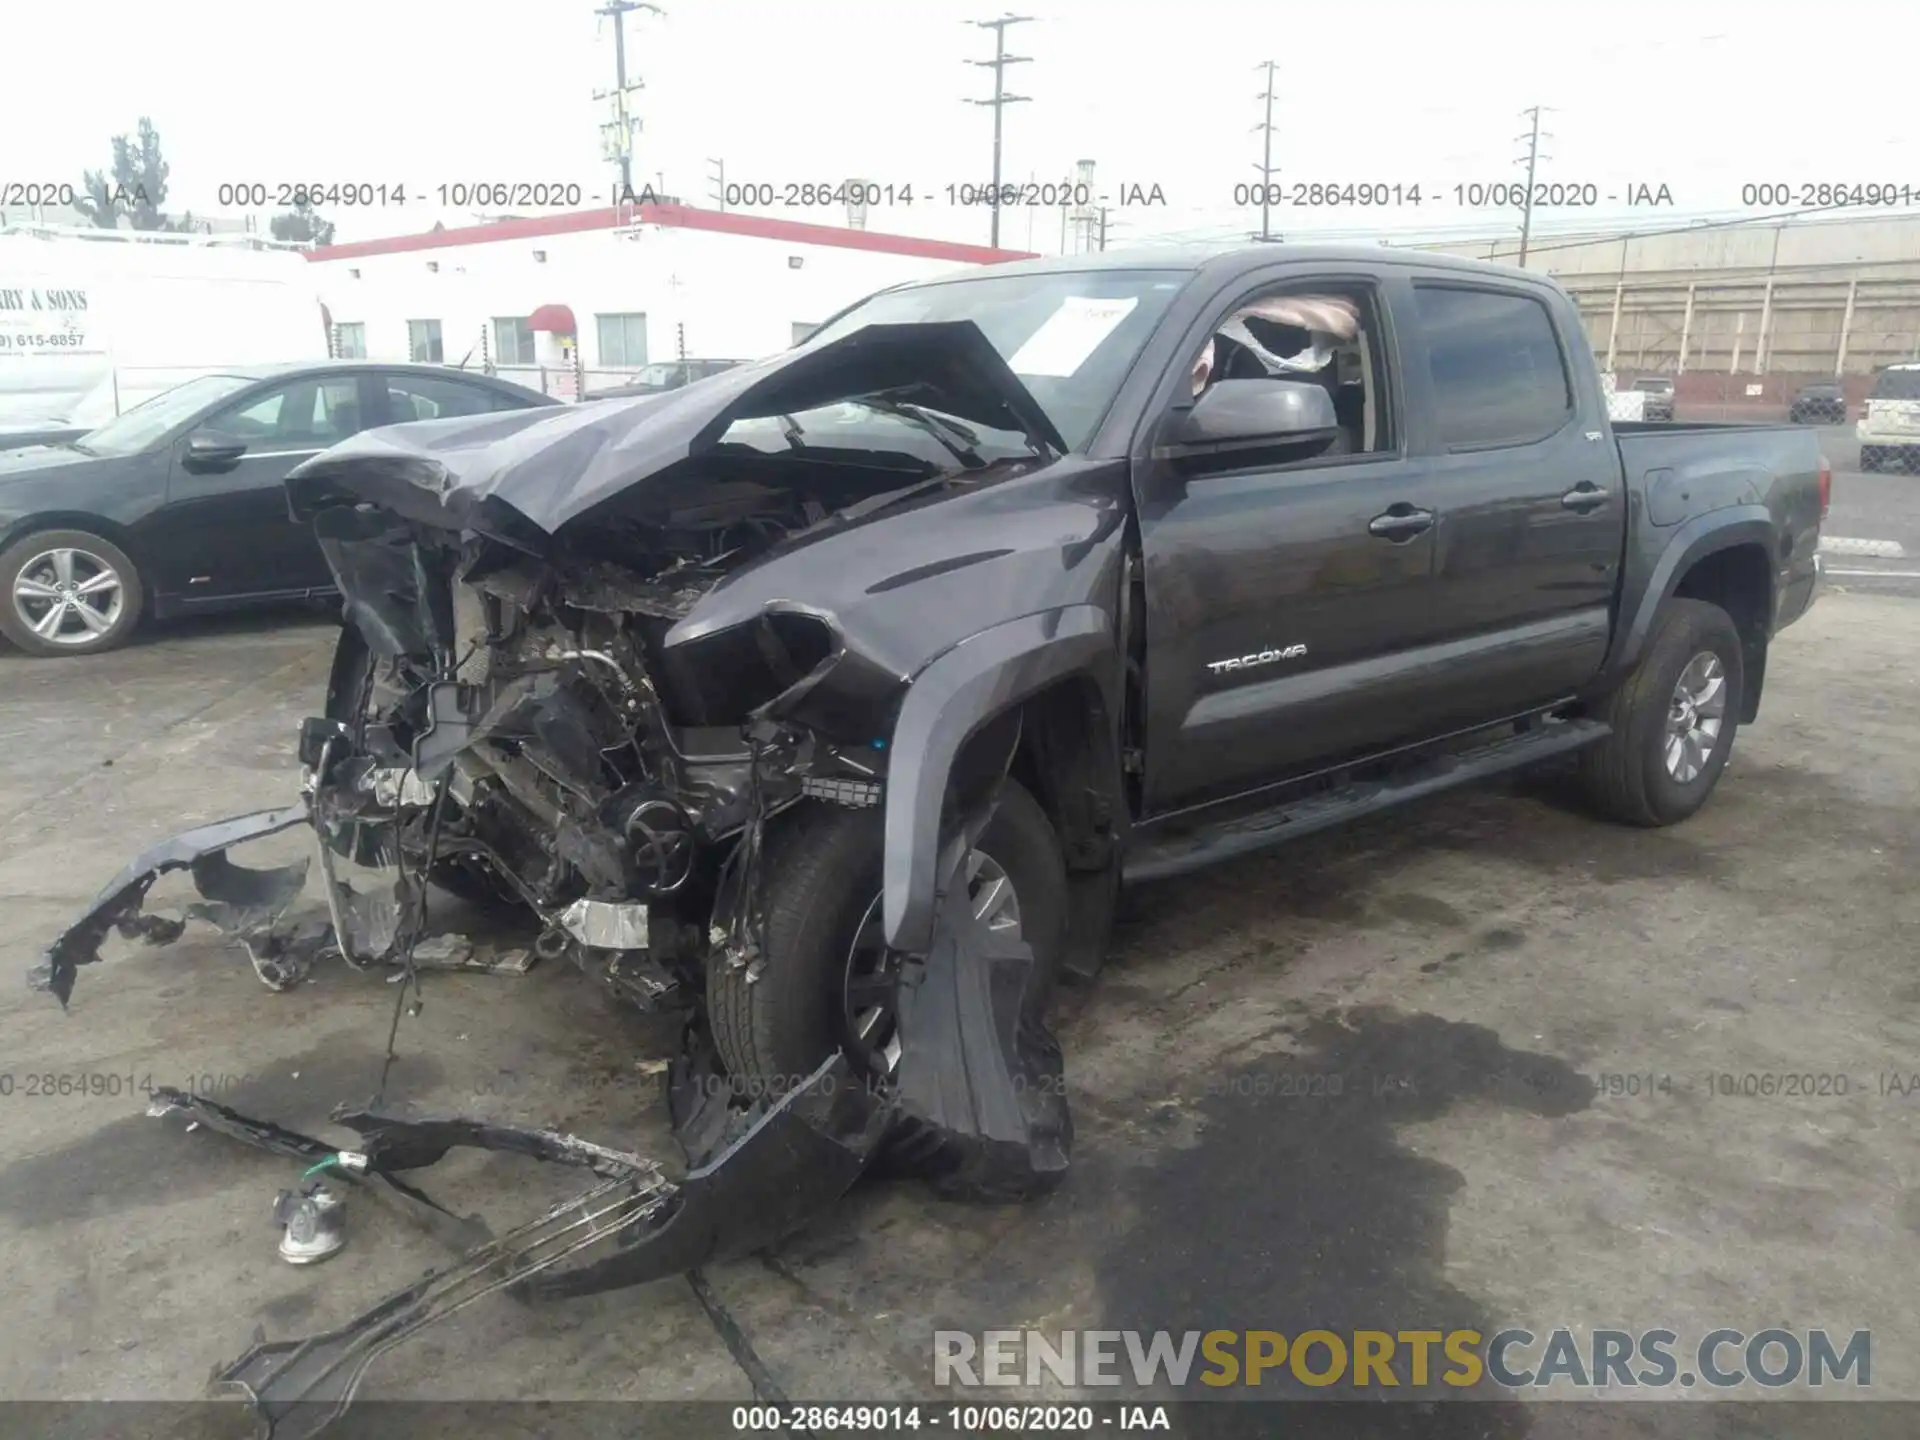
1000	99
1531	160
1265	167
619	131
717	183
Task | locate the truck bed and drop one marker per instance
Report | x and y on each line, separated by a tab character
1762	455
1688	473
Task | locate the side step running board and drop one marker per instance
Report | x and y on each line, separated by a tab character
1191	847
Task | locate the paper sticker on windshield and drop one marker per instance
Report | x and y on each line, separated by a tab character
1070	335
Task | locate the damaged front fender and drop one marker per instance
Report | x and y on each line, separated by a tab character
948	703
238	899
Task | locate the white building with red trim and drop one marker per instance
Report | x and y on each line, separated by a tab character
591	296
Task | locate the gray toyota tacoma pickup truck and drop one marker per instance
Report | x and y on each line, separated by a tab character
833	698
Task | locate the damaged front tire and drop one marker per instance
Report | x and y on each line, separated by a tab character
825	980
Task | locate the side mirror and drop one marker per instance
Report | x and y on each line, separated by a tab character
211	451
1236	415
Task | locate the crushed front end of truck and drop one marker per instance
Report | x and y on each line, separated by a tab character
585	673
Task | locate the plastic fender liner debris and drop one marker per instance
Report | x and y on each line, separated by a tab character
791	1159
457	1232
237	897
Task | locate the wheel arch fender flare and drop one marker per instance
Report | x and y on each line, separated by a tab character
74	520
1692	542
949	702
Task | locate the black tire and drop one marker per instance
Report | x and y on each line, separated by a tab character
822	875
1626	776
93	555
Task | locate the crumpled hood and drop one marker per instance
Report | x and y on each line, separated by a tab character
524	474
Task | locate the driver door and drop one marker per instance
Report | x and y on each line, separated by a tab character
1286	599
225	533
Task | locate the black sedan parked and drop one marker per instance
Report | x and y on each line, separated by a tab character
176	506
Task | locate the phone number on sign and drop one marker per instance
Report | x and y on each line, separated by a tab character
62	341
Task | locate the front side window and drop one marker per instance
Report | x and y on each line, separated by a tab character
423	342
1322	335
302	415
512	341
623	339
1498	375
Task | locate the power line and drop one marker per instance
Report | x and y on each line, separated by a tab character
1000	99
1265	130
1531	160
619	131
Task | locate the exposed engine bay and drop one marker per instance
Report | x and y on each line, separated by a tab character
548	762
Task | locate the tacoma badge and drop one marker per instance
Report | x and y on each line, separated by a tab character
1264	657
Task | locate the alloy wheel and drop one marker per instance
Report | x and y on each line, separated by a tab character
68	596
1695	716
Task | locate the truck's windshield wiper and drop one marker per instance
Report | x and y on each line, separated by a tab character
956	438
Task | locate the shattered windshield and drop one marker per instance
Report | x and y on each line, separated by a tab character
1071	336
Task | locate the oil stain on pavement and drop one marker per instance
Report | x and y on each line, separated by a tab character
1302	1208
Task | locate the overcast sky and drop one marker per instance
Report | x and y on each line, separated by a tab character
1697	95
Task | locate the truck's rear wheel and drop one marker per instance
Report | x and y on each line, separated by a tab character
1673	720
828	979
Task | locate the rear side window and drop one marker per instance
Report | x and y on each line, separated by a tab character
419	397
1896	385
1498	375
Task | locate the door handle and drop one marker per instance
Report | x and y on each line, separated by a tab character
1585	496
1401	523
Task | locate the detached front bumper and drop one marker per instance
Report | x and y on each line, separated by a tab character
244	903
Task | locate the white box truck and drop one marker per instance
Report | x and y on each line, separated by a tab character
92	322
